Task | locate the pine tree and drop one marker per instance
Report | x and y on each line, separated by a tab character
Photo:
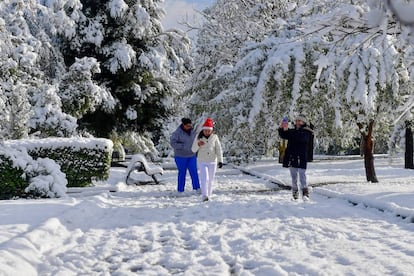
29	63
137	65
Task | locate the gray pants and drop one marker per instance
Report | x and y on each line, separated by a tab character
294	172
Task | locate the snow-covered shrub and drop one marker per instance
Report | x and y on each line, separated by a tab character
46	179
118	152
138	143
12	183
21	176
81	159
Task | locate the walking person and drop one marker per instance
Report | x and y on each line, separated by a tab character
181	140
295	157
209	157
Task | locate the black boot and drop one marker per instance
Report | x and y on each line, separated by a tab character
305	192
295	194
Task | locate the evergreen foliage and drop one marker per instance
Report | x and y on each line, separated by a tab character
99	67
29	67
82	160
21	176
12	182
102	65
136	60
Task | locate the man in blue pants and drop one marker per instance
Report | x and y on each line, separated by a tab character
181	140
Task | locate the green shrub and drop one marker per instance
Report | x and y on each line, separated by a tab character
12	180
21	176
81	159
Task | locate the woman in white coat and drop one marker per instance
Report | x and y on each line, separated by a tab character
209	156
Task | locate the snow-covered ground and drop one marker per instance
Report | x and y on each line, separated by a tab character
250	227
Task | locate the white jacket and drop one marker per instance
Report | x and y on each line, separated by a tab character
209	152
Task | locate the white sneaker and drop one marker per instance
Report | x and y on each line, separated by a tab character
196	192
178	194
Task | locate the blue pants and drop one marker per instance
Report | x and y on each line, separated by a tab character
294	172
184	164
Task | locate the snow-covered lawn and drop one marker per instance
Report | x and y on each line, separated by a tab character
250	227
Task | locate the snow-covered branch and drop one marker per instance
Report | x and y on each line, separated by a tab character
403	11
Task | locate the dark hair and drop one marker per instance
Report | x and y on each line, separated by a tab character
200	135
185	121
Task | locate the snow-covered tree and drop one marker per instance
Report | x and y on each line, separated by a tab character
78	91
229	24
108	64
47	118
402	10
15	59
139	64
325	59
232	49
28	62
368	74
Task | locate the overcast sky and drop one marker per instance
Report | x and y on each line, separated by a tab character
182	10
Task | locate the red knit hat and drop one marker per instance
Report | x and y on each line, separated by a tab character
208	124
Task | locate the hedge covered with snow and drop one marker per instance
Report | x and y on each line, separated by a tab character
21	176
81	159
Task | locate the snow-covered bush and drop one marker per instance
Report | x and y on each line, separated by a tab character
22	176
46	179
12	183
138	143
81	159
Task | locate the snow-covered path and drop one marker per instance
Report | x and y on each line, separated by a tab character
274	237
247	229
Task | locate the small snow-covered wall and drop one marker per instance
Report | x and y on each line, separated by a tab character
81	159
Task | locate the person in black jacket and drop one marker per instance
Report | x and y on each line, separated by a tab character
295	156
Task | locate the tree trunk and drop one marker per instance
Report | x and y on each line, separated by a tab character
367	142
408	164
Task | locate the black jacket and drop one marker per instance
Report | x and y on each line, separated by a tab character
297	147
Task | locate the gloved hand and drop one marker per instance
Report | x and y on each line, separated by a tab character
220	165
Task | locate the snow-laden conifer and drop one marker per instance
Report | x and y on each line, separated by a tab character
29	64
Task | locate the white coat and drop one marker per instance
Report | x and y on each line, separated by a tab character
209	152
